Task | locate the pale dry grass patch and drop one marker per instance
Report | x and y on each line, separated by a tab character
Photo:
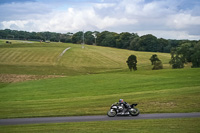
13	78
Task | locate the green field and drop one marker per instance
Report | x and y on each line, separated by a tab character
183	125
94	78
155	91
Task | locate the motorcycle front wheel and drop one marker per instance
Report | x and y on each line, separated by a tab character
136	112
111	113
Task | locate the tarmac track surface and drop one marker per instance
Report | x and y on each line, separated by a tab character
17	121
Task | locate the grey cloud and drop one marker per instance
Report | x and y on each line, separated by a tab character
16	1
194	30
22	11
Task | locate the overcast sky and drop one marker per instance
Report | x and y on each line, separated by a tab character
169	19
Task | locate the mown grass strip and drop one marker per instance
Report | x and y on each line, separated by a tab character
178	125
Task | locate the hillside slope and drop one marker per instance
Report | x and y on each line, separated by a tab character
44	58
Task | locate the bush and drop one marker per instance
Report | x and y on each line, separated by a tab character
157	65
156	62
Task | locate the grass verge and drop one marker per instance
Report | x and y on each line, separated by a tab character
177	125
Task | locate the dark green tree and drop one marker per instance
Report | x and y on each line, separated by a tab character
134	44
156	62
132	62
186	49
177	60
89	38
157	65
153	58
195	57
77	37
148	43
125	39
107	38
100	38
162	45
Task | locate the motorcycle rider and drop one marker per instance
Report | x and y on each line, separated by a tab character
126	105
123	108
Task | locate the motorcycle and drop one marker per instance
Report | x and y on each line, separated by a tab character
120	110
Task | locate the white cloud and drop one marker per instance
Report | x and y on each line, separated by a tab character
69	20
18	23
183	21
104	5
170	34
162	18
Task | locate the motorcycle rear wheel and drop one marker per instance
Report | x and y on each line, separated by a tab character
135	113
111	114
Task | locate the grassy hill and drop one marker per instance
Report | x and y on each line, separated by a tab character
95	77
43	59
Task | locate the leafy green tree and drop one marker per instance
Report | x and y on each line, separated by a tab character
174	43
148	43
107	38
177	60
195	57
156	62
125	39
89	38
153	58
185	49
100	38
162	45
77	37
157	65
186	52
132	62
68	37
134	44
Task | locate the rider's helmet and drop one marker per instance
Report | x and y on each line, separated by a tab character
121	100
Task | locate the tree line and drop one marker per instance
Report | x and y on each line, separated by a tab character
124	40
35	36
131	41
185	53
181	55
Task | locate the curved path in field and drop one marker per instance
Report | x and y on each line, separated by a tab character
64	51
18	121
61	54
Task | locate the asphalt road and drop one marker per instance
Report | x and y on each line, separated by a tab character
40	120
